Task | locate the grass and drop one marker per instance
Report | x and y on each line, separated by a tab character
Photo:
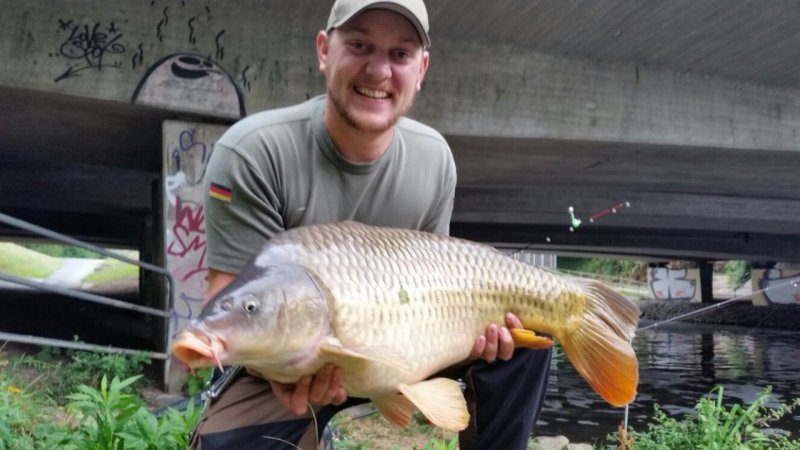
713	426
26	262
374	432
98	412
22	262
111	270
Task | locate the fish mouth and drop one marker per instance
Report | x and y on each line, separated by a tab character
198	350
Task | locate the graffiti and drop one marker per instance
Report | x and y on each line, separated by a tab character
190	157
162	23
243	80
188	229
671	284
182	312
187	81
220	49
186	152
192	39
138	58
88	46
780	289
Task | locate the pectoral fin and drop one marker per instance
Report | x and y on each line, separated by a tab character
441	401
529	339
397	409
381	355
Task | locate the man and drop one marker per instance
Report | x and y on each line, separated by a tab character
349	155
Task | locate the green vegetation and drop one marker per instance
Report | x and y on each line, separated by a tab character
61	251
196	382
373	431
22	262
737	272
64	370
103	416
713	426
113	418
110	270
603	266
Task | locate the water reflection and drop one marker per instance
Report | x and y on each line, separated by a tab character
678	364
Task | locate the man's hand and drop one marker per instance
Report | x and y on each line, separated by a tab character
496	343
324	387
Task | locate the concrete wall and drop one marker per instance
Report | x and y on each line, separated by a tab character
187	150
674	284
264	51
780	285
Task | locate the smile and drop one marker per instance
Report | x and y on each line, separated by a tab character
372	93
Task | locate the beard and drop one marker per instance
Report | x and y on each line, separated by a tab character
363	125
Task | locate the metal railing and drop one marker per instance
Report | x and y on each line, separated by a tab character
114	303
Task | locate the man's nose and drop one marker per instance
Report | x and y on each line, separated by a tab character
379	67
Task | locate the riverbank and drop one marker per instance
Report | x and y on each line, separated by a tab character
743	314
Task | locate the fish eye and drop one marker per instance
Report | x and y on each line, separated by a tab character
250	306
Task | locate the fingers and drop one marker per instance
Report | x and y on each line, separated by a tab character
323	388
327	386
505	345
512	321
490	353
293	396
496	342
478	348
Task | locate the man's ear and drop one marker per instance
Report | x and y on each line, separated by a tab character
322	49
423	69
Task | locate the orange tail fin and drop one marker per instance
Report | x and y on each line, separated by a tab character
600	348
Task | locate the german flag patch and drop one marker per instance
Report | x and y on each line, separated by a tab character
220	192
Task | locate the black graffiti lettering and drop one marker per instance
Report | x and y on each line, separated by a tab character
88	46
162	23
243	80
64	25
138	57
192	39
220	49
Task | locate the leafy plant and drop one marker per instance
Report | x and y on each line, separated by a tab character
737	272
102	415
169	432
114	418
25	417
196	382
68	369
713	426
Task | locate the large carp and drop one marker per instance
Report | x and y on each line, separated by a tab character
391	307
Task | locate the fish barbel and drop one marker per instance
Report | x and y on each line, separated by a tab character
392	307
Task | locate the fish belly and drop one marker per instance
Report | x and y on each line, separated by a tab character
421	300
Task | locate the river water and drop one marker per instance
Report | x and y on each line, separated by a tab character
678	364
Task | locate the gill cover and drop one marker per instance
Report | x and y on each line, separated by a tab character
274	312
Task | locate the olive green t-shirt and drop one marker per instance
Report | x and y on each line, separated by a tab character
279	169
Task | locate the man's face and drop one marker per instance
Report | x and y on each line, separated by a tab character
373	66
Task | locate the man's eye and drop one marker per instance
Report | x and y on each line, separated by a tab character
358	46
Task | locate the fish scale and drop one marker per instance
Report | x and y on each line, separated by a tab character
392	307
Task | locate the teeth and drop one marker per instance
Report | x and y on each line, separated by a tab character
372	93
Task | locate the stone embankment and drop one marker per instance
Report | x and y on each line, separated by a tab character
744	314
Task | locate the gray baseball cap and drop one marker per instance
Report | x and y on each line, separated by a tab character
413	10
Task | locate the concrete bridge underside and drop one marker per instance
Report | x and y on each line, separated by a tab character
689	111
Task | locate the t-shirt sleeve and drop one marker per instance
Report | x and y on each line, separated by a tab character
242	209
442	211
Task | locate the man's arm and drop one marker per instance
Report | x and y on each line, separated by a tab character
217	280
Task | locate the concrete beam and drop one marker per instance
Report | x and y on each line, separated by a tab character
265	58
